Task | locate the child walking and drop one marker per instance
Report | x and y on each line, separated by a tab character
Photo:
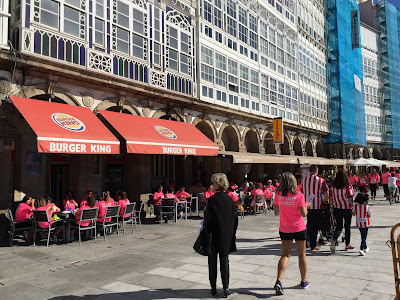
362	211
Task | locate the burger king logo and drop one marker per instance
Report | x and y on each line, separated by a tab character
166	132
68	122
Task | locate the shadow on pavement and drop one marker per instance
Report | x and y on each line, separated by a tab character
176	294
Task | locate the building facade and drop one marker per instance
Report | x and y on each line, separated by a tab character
4	18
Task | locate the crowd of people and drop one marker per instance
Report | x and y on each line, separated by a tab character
24	212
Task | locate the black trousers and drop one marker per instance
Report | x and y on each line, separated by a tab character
386	189
340	215
373	188
313	220
224	268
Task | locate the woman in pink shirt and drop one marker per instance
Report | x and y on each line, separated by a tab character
105	200
362	183
292	209
373	179
69	202
51	209
90	202
84	201
235	197
207	195
122	202
182	194
257	192
24	209
170	194
157	200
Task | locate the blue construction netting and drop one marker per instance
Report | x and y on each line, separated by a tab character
346	103
389	21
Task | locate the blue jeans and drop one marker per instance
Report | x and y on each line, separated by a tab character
340	215
364	233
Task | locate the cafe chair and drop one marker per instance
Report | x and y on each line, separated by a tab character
129	209
167	208
137	215
241	211
17	226
89	214
42	216
261	203
113	213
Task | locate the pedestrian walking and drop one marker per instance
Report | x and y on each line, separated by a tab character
392	185
341	197
315	191
362	212
292	208
385	181
221	221
373	179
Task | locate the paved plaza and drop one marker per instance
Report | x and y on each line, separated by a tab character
159	263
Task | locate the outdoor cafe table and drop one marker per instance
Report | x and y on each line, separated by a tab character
66	217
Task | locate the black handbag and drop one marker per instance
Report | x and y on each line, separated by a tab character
204	245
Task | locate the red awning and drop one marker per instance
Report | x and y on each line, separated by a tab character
156	136
62	128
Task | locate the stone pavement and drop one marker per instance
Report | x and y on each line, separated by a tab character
159	263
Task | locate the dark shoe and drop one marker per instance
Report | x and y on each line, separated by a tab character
213	291
278	288
227	292
316	248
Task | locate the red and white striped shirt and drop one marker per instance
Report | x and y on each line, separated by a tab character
362	211
340	196
313	186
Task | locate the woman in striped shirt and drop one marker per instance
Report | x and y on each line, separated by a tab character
340	195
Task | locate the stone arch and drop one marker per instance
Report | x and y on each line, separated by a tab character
285	147
251	141
377	153
230	137
319	148
297	147
308	148
269	145
206	127
112	106
171	115
48	90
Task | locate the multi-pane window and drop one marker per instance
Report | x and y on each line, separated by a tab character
99	22
253	38
74	18
231	17
218	13
207	64
254	83
139	39
47	13
242	24
157	57
207	11
220	72
244	77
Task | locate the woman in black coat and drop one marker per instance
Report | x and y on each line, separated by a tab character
221	220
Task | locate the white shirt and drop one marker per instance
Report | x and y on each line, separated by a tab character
392	181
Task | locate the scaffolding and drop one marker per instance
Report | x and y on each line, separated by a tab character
389	21
346	103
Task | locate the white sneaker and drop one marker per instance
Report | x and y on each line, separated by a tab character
333	246
362	253
366	249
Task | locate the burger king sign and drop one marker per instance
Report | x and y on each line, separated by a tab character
68	122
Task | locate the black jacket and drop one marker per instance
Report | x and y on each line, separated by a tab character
221	220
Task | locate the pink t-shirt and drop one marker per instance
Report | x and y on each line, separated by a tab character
352	179
44	225
397	175
78	215
171	195
373	178
234	196
271	188
122	203
157	195
182	194
268	193
257	192
289	213
102	205
207	194
83	202
69	206
23	212
385	177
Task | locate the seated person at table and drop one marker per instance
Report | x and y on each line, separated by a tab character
122	202
235	197
157	200
41	204
171	185
181	194
90	203
257	192
69	202
207	195
83	201
170	194
105	200
233	186
49	202
23	216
